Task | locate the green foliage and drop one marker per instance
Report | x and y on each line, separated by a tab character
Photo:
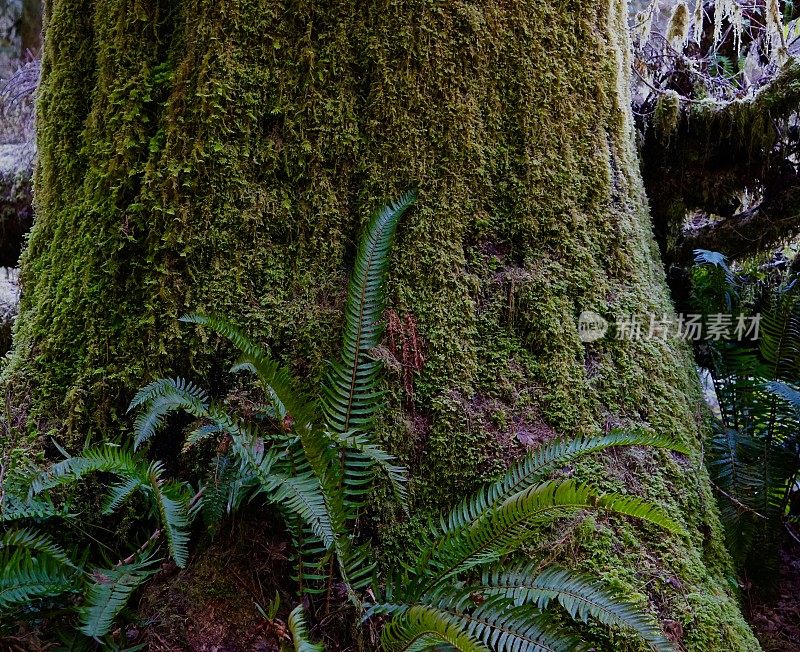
299	630
437	599
110	591
754	448
314	460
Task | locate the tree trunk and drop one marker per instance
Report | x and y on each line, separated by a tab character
221	156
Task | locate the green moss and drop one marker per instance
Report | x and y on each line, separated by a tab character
667	115
222	156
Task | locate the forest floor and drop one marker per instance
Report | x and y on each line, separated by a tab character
776	619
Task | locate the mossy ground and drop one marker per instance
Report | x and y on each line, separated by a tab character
221	156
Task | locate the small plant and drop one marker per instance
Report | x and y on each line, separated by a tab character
34	567
314	460
462	590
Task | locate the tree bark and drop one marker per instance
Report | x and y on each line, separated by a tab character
222	156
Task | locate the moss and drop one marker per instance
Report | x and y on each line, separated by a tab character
222	156
667	115
678	28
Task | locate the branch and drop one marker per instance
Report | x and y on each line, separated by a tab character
771	222
703	156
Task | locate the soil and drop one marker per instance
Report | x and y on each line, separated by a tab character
776	618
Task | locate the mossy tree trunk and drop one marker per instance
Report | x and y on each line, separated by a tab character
222	155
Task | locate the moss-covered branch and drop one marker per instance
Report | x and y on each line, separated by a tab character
771	221
702	156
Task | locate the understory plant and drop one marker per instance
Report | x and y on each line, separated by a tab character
314	459
754	450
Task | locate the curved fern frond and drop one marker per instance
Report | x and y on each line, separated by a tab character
120	493
15	508
421	628
376	456
164	397
25	578
582	597
496	621
109	592
224	489
35	542
302	495
786	391
299	493
537	465
301	638
201	434
108	458
503	528
350	394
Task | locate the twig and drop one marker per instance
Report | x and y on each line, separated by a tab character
153	537
737	502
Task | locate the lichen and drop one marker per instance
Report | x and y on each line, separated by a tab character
222	156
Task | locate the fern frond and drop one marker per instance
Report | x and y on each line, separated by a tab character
107	458
398	475
15	508
300	637
301	494
201	434
582	597
223	490
538	464
497	622
278	382
172	513
109	592
503	528
32	541
120	493
786	391
420	628
350	394
24	578
166	396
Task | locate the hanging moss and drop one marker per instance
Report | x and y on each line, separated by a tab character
678	27
222	156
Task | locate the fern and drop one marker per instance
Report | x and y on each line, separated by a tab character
299	631
422	628
350	392
787	392
136	474
31	541
504	527
109	592
162	398
350	389
25	578
582	597
538	464
172	511
753	450
316	461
